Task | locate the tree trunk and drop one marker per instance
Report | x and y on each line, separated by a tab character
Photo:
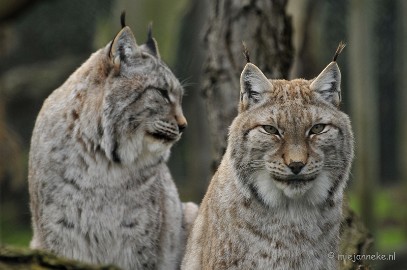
401	63
190	170
363	97
266	29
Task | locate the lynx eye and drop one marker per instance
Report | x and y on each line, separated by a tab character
271	130
317	129
164	94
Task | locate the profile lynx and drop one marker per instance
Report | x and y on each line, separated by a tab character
275	201
100	190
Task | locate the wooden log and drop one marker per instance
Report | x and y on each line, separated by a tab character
12	258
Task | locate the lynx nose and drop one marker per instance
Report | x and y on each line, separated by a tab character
296	167
181	122
180	118
182	127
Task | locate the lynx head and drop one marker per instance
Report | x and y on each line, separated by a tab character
139	108
290	142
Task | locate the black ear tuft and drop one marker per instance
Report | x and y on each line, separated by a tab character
338	50
123	19
151	44
150	31
246	52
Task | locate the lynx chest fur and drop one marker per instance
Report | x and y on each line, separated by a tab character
100	190
275	201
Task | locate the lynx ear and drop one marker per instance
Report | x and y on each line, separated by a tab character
328	84
151	44
123	47
253	84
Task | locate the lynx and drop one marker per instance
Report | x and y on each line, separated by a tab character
100	189
275	200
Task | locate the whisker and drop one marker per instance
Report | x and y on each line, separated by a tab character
185	83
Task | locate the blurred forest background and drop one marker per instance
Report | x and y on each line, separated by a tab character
42	42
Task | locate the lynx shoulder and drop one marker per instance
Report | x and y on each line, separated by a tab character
275	201
100	190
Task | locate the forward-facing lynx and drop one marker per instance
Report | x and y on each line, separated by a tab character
275	201
99	187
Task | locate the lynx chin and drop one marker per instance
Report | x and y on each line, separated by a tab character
275	201
100	189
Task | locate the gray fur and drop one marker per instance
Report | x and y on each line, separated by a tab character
100	190
259	212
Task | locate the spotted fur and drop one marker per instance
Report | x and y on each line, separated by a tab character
275	200
100	189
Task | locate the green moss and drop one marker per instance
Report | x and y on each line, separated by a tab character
22	258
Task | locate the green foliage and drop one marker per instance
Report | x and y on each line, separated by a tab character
390	239
388	210
14	234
